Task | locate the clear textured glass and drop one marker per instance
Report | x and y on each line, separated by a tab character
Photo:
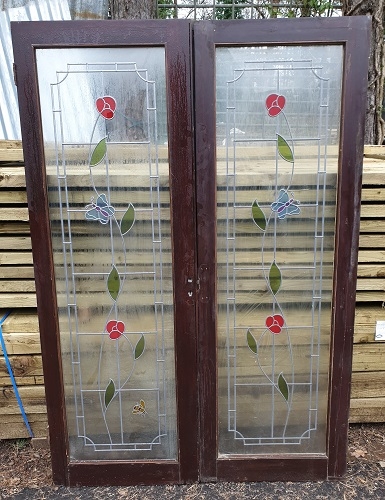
278	118
105	138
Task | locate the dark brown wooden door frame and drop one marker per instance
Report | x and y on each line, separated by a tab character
175	36
194	246
353	34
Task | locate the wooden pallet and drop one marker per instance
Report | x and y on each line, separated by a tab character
21	334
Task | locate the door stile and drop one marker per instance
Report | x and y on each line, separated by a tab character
36	186
182	187
205	124
354	97
175	37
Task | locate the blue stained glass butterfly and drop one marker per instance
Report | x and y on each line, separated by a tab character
100	210
284	205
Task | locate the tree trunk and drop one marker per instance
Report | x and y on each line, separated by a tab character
133	9
135	101
374	126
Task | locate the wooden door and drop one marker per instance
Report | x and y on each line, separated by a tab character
279	107
195	251
111	199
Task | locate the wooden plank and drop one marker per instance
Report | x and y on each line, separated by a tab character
365	322
9	286
13	153
11	150
371	270
370	297
22	343
372	285
373	172
21	322
12	197
367	410
372	226
13	407
372	194
19	431
11	300
368	284
22	272
373	274
18	258
372	211
14	228
5	381
121	195
368	357
15	243
13	426
366	256
12	177
14	214
372	241
143	257
22	299
374	152
368	384
368	314
30	395
26	365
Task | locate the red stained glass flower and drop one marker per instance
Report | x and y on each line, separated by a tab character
106	106
275	104
275	323
115	329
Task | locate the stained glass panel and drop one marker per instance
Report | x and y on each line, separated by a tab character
278	117
105	132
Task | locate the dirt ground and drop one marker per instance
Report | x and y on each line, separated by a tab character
25	474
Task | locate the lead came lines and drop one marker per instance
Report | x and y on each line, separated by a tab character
286	153
107	216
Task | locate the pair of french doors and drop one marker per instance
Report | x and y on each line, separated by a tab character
194	205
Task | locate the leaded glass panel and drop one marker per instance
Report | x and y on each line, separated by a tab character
105	138
278	116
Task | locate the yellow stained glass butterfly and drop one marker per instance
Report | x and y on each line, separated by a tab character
140	408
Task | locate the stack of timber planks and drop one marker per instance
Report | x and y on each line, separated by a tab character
21	332
368	379
17	293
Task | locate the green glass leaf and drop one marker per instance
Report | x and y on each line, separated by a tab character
113	283
98	153
251	342
258	216
110	393
139	348
284	149
275	278
128	219
283	387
